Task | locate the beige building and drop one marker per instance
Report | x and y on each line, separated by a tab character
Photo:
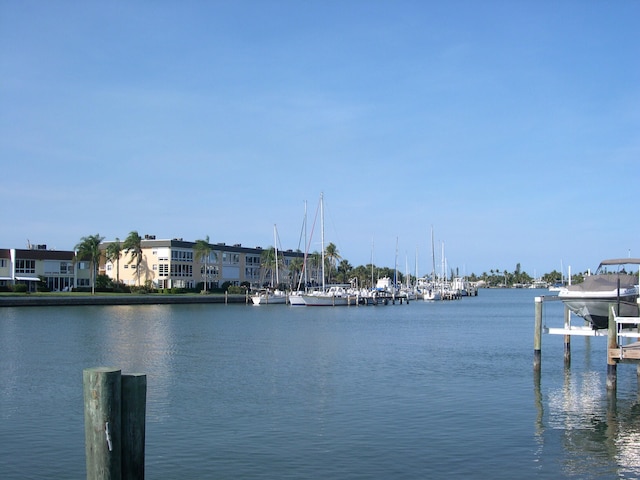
57	268
172	264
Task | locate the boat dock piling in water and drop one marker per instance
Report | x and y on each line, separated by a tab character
114	423
618	329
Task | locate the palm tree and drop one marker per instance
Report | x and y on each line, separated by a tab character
295	269
89	247
332	256
315	262
345	268
268	263
133	246
112	253
202	250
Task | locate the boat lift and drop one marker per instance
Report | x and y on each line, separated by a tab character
620	329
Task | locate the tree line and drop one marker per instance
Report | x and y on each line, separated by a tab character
336	268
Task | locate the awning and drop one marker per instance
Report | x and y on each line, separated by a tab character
6	278
28	279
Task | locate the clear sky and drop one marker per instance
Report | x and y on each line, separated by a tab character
511	127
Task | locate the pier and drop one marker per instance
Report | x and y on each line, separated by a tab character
620	329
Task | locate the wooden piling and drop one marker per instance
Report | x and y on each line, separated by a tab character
567	338
134	402
612	343
102	422
114	423
537	336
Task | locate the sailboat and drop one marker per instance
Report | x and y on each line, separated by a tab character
271	296
295	298
333	295
431	293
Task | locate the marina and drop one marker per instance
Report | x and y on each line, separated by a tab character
238	391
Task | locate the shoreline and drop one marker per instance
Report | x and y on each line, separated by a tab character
147	299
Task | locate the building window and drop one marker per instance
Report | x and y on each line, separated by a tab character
25	266
182	255
179	270
229	258
163	269
252	260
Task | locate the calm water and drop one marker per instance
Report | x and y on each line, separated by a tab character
406	391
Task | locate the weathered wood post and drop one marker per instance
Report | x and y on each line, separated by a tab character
114	423
102	422
134	403
567	337
537	335
612	343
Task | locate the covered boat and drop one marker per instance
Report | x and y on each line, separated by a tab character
615	282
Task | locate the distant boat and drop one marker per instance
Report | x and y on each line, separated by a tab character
333	296
269	297
556	287
612	284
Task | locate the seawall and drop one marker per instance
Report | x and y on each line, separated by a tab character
150	299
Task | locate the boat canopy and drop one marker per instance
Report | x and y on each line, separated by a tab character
621	261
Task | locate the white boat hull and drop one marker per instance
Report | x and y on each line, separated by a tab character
296	300
328	300
591	299
596	311
269	299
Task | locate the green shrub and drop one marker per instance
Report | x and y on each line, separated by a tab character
235	289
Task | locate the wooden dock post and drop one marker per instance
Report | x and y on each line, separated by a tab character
134	407
114	423
102	424
537	335
567	338
612	343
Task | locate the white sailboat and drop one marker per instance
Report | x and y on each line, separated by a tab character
334	295
295	298
272	296
430	291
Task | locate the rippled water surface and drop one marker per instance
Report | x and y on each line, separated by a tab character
425	390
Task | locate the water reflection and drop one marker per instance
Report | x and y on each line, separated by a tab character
143	341
599	435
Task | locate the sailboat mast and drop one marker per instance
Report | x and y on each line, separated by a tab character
304	266
322	235
275	243
433	258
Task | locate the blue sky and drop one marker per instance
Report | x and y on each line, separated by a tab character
511	127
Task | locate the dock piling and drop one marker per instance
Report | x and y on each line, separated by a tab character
612	343
114	423
567	338
537	336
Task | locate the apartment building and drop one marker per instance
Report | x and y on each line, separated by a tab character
58	268
173	264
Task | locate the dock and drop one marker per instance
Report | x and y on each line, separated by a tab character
620	329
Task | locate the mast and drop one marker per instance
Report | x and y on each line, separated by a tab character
322	235
433	258
304	266
275	243
372	245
